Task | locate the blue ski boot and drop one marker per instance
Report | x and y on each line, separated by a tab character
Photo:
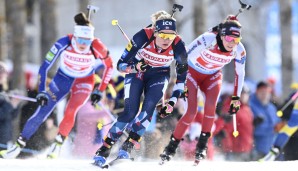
129	144
103	152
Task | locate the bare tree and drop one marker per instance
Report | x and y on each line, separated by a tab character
199	10
83	5
48	26
16	17
3	54
286	45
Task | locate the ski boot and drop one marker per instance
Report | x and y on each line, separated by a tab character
271	156
201	148
170	150
14	151
103	152
129	144
56	147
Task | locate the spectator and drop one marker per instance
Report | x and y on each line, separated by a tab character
237	148
265	120
7	112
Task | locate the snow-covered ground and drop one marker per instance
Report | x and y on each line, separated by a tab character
85	165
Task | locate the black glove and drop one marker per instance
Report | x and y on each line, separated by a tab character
258	120
96	96
234	105
167	109
42	98
184	95
141	66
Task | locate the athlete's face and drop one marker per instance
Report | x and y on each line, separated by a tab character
164	38
83	43
229	42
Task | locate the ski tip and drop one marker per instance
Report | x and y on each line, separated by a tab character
161	162
105	166
196	162
102	167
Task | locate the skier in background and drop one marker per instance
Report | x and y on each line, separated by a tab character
79	55
146	60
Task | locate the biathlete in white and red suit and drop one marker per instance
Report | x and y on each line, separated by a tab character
79	54
207	55
146	60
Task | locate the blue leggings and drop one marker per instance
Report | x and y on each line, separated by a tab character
58	89
154	86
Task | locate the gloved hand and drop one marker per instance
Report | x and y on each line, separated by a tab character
234	105
167	109
42	98
184	95
96	96
142	66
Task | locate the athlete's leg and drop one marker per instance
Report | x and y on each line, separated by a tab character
211	88
133	87
58	89
191	111
154	90
80	92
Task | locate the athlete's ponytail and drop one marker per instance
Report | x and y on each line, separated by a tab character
82	20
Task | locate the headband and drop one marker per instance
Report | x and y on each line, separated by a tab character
165	24
84	31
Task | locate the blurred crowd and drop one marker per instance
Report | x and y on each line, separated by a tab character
257	123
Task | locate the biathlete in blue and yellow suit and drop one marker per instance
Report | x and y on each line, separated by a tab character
284	134
79	54
146	60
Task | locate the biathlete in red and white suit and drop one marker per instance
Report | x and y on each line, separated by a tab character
207	55
146	60
79	54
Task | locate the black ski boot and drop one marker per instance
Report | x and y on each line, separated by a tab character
170	150
201	148
132	140
103	152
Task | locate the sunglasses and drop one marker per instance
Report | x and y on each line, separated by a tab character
83	41
230	39
170	36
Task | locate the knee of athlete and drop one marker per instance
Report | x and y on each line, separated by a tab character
191	112
126	117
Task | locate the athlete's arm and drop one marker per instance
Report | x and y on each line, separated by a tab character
181	70
50	59
201	42
101	52
239	69
128	57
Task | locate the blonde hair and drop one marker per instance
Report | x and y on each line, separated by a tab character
160	15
